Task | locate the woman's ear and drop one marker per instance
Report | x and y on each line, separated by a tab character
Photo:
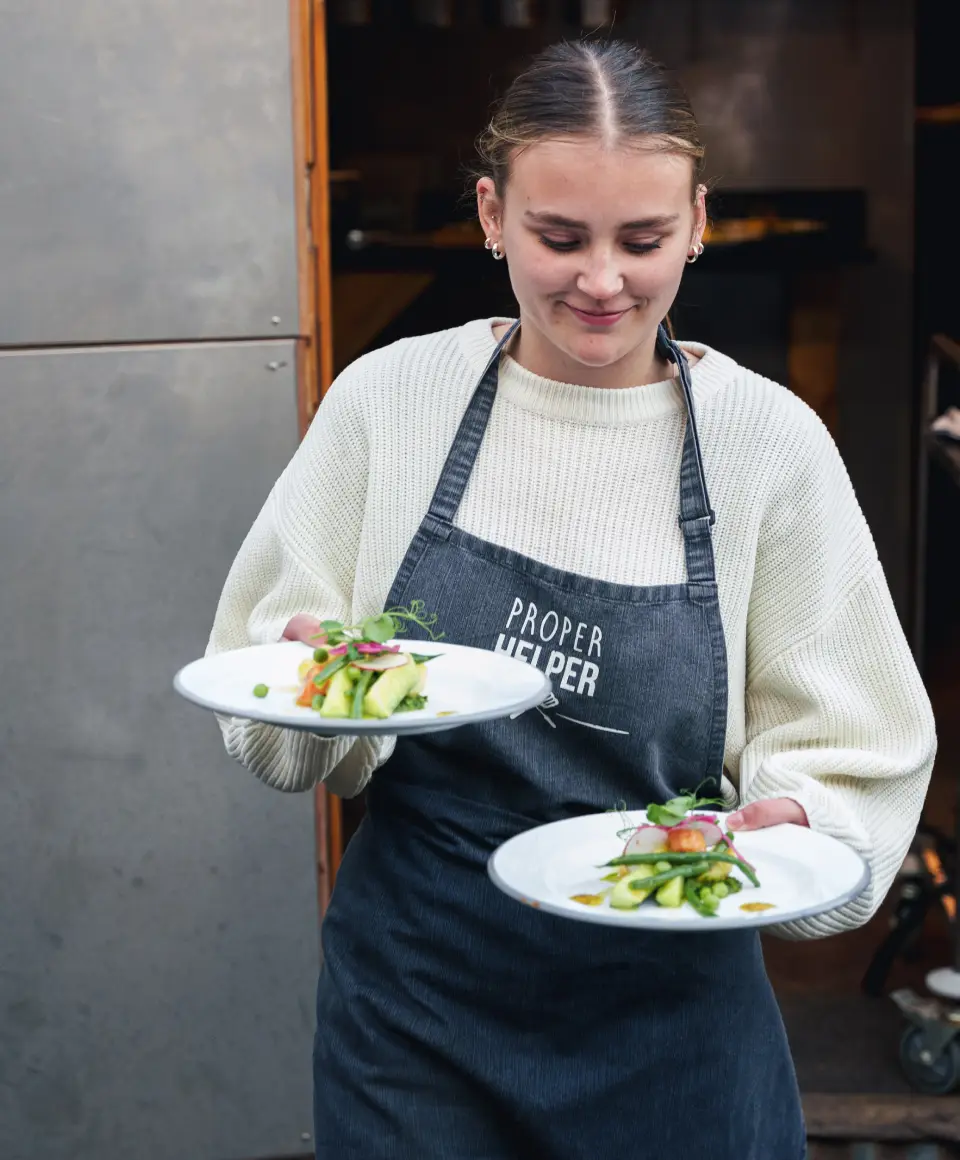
699	214
489	209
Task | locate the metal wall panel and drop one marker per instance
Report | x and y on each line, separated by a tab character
146	171
158	939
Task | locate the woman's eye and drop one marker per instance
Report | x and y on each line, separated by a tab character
642	247
566	245
559	244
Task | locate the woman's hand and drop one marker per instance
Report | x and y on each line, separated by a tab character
305	628
775	812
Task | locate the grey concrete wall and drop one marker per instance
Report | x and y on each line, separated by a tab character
158	921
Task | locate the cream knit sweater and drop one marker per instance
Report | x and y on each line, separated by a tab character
825	703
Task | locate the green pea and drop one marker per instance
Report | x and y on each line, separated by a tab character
720	889
319	655
260	690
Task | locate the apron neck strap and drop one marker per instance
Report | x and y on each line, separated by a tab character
466	445
696	514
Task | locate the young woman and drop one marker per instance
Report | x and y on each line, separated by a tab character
681	538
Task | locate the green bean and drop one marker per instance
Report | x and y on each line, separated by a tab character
359	692
681	860
698	902
317	702
674	872
327	671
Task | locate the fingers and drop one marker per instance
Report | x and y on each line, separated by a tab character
304	628
774	812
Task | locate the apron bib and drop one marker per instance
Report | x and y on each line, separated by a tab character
455	1022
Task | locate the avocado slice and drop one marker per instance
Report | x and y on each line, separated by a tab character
671	893
389	690
339	696
623	898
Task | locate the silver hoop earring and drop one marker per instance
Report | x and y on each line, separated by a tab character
488	244
498	252
695	253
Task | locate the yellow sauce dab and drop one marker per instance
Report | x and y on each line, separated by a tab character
756	906
448	713
587	899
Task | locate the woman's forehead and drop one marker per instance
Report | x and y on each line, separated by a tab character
554	175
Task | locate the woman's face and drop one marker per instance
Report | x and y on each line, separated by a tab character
596	240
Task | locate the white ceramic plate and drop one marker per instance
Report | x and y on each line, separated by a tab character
464	686
801	873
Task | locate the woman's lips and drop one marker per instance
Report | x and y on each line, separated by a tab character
592	318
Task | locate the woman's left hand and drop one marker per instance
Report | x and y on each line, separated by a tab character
775	812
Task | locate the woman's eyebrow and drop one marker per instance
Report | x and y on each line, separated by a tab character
545	218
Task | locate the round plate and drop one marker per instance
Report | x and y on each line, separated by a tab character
801	874
464	686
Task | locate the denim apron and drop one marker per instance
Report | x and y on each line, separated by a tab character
456	1023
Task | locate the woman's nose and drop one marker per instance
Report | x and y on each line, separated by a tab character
601	278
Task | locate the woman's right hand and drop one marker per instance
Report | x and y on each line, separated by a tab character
304	628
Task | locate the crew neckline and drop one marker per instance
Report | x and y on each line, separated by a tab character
593	405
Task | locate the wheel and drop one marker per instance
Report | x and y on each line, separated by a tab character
936	1077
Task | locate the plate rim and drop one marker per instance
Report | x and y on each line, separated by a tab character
390	727
686	925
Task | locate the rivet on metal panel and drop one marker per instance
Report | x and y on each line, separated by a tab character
275	365
275	320
305	1137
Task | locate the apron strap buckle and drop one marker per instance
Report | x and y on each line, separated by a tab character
711	519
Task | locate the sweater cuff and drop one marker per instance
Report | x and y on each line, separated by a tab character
292	761
827	813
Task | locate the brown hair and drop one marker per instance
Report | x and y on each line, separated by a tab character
605	88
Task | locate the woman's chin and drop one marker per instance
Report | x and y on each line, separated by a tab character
595	351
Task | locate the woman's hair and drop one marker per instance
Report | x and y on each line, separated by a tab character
590	88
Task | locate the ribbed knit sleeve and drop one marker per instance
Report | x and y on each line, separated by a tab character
300	556
837	717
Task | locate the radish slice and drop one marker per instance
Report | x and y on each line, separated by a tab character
647	840
381	664
712	833
365	648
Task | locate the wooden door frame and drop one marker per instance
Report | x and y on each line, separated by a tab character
314	348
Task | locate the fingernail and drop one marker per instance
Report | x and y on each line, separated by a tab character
735	821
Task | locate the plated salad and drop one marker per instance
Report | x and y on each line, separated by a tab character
355	673
676	857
